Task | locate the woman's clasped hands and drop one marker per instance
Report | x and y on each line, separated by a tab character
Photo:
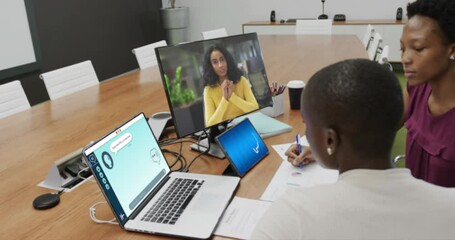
227	86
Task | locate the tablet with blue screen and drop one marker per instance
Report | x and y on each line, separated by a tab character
243	146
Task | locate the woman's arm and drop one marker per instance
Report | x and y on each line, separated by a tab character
213	114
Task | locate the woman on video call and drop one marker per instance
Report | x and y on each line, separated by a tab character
227	94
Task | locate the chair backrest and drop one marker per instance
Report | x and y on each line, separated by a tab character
146	56
368	36
374	46
70	79
12	99
384	58
314	27
216	33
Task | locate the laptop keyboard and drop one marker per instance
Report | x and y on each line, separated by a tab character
173	202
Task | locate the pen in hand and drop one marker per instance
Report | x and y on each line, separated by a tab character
299	147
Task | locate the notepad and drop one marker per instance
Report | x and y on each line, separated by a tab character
265	125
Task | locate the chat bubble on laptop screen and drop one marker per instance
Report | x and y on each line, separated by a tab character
128	155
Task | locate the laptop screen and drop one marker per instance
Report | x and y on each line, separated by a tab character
243	146
128	164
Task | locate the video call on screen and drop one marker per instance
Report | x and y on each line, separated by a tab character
247	55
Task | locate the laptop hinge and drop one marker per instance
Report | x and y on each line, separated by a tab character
148	198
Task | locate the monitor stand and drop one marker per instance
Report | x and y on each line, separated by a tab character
215	149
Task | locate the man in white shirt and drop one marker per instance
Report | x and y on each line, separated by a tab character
352	110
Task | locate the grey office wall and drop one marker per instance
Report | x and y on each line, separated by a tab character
104	31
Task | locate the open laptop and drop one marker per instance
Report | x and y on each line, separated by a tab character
133	175
243	146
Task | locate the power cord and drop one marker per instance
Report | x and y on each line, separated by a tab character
178	159
92	212
167	141
84	170
199	150
184	167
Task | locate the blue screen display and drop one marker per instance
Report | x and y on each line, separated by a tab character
243	146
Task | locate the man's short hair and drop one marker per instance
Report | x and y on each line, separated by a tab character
360	99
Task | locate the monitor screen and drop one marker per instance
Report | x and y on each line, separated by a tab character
213	81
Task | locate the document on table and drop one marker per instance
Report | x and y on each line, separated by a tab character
281	148
287	176
241	217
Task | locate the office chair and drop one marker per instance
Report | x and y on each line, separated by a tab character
384	57
216	33
146	56
70	79
374	46
399	158
12	99
400	161
313	27
368	36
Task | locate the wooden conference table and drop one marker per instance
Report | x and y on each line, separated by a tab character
32	140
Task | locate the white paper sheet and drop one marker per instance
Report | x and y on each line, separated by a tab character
288	176
241	217
281	148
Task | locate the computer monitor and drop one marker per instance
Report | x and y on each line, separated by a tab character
193	73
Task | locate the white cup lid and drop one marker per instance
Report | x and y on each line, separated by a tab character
296	84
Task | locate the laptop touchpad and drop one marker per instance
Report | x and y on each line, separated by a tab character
207	202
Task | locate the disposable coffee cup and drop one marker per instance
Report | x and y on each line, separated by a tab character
295	91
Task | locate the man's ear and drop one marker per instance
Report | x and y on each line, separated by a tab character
452	50
331	141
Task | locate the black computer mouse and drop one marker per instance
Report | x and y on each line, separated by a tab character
46	201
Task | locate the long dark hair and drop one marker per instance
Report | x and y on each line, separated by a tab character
209	75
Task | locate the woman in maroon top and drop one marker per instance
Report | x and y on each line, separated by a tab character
428	57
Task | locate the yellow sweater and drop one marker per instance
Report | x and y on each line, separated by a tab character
218	109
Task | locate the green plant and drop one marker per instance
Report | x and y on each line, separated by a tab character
178	95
